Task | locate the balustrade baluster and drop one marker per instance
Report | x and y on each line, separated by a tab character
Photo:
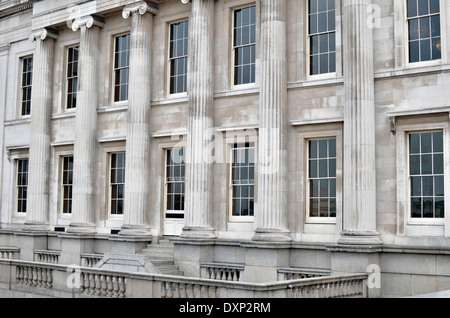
86	283
169	290
122	282
97	285
91	284
189	291
183	293
109	283
116	287
163	290
39	277
49	278
176	291
103	287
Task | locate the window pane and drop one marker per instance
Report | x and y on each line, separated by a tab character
414	52
434	6
423	7
438	164
428	207
425	50
439	208
314	207
439	186
435	25
438	142
412	8
413	29
427	186
424	24
416	207
427	165
416	186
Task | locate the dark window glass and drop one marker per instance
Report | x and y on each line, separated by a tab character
22	185
121	67
426	171
424	30
27	78
117	183
175	174
322	177
178	55
242	179
322	35
72	76
244	30
67	182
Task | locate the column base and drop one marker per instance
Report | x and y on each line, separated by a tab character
272	235
198	232
138	231
82	228
367	238
36	227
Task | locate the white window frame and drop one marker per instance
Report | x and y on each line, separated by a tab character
406	225
66	79
61	186
237	218
166	211
307	47
169	59
113	69
109	185
22	60
232	8
320	229
401	37
16	192
309	218
337	32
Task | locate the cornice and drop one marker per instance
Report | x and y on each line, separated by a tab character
88	22
13	9
140	7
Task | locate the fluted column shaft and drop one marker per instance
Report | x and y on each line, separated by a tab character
39	160
271	205
359	188
200	122
137	164
83	217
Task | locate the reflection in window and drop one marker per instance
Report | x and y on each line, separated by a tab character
322	36
426	174
322	178
175	172
178	57
121	67
243	179
117	182
22	185
424	30
27	77
244	30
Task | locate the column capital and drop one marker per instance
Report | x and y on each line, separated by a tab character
43	34
141	7
87	21
185	1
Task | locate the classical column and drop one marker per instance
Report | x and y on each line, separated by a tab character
271	205
137	167
83	218
39	160
359	188
200	121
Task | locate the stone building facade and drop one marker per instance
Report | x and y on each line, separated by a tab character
272	134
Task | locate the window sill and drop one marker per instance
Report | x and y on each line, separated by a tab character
18	121
321	221
114	108
415	69
317	81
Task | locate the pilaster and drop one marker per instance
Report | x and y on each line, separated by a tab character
200	122
39	160
271	207
137	167
83	217
359	188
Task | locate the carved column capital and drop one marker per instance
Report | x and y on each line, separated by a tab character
43	34
185	1
140	7
87	21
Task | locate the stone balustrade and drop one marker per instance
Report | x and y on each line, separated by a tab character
300	273
89	260
34	276
47	256
68	281
329	287
226	272
103	284
9	252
